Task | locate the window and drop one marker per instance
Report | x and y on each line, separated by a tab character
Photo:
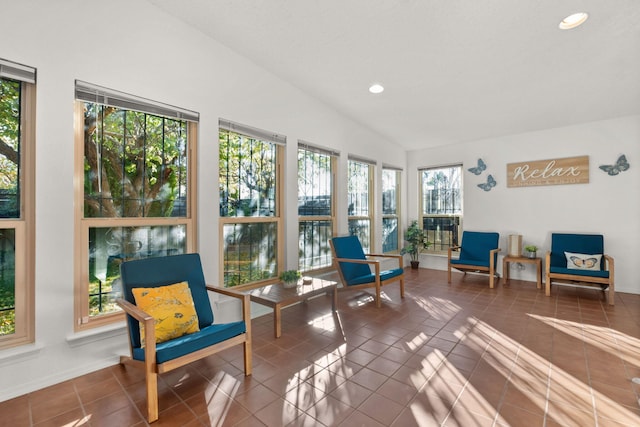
17	203
136	165
441	205
390	209
360	211
316	212
249	203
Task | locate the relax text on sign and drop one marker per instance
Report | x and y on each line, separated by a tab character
569	170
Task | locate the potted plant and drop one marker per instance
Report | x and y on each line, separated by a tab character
531	250
416	242
290	278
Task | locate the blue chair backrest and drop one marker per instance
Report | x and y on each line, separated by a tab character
576	243
162	271
350	247
476	245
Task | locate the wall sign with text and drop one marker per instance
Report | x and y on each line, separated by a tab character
569	170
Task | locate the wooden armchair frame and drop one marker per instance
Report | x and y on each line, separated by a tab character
379	280
489	269
151	368
582	279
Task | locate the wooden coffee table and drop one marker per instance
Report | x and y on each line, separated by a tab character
277	296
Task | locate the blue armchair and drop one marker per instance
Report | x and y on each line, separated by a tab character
478	253
157	358
354	267
579	259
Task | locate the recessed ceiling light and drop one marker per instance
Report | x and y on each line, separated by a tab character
376	88
572	21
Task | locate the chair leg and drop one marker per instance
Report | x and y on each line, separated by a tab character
247	358
152	396
547	285
449	274
401	288
611	294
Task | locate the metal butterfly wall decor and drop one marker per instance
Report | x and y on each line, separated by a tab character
620	166
487	186
478	169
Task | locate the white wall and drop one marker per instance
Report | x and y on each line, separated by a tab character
607	205
124	45
130	46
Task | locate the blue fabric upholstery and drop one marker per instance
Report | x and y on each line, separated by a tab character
186	344
366	273
368	278
350	247
577	243
162	271
476	247
579	272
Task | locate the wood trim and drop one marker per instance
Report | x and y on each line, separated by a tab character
82	225
24	227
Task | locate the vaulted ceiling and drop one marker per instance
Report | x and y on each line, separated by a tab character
453	70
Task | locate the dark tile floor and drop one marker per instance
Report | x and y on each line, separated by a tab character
446	355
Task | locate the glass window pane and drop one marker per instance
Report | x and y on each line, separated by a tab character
110	246
313	244
442	191
358	196
314	184
250	252
135	164
247	176
7	281
10	108
442	231
362	229
389	234
389	192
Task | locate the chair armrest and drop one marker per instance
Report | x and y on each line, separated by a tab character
492	258
149	327
245	299
385	255
225	291
357	261
400	258
133	311
451	249
609	262
547	261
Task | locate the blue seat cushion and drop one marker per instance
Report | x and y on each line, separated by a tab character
186	344
469	262
368	278
578	272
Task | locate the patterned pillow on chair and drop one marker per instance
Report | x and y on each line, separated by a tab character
171	307
583	261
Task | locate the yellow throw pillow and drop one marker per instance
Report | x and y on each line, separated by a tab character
172	308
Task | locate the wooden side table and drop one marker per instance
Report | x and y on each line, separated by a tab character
277	296
524	260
